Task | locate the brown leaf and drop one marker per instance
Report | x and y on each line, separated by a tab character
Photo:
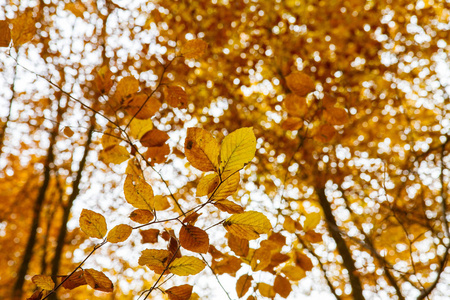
229	206
300	83
191	218
194	239
44	282
141	216
143	106
98	281
157	155
176	96
5	34
24	28
229	265
75	280
37	295
292	123
181	292
243	284
103	80
282	286
154	138
303	261
239	246
149	236
295	105
194	48
325	133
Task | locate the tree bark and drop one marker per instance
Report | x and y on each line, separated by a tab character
342	247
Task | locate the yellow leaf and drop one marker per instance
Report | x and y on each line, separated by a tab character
119	233
155	259
133	168
23	28
229	206
186	265
143	107
114	154
266	290
336	116
194	48
282	286
110	138
201	149
160	202
293	273
243	284
207	184
289	224
181	292
295	105
238	148
93	224
77	8
140	127
138	193
248	225
68	131
142	216
227	187
311	221
98	281
5	34
176	96
125	90
44	282
300	83
194	239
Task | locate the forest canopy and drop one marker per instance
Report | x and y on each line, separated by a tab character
241	149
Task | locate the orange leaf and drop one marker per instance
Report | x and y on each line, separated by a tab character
98	281
266	290
125	90
68	131
194	48
119	233
292	123
293	272
282	286
201	149
194	239
75	280
176	96
239	246
141	216
229	206
142	107
228	265
243	284
295	105
149	236
157	155
24	28
300	83
303	261
181	292
336	116
5	34
93	224
103	80
154	138
325	133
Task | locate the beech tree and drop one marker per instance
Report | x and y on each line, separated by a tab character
287	146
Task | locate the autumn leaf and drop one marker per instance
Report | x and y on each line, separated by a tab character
103	80
266	290
44	282
336	116
154	138
229	206
282	286
238	245
325	133
303	261
142	106
93	224
161	202
237	149
176	96
75	280
68	131
114	154
201	149
181	292
292	123
119	233
149	236
194	48
300	83
77	8
5	34
138	193
138	128
228	265
194	239
24	28
154	259
243	284
311	221
227	187
157	155
142	216
295	105
294	273
207	184
186	265
248	225
125	90
98	281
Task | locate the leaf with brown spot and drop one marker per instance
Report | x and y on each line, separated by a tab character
201	149
93	224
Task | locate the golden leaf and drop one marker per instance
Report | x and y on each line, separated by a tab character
160	202
142	106
282	286
141	216
114	154
138	127
119	233
77	8
228	265
155	259
229	206
227	187
292	123
93	224
194	239
5	34
207	184
300	83
238	148
138	193
289	224
239	246
186	265
125	90
194	48
248	225
243	284
149	236
311	221
44	282
266	290
23	28
201	149
181	292
325	133
176	96
98	281
293	272
336	116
